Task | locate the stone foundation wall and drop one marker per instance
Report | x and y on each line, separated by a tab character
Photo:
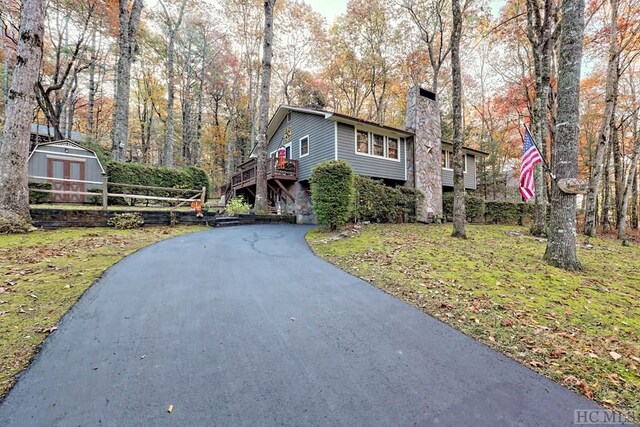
302	208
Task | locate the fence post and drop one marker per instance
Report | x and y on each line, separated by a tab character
203	195
104	192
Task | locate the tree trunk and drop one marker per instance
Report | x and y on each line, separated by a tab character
127	45
541	36
14	148
618	171
459	216
628	189
606	191
612	76
92	84
169	129
561	245
261	188
634	203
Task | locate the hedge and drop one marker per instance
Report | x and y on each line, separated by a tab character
377	202
189	177
36	197
474	206
332	192
503	212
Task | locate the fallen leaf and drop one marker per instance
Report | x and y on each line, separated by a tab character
170	409
615	355
48	330
585	389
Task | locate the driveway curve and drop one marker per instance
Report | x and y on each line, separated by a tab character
245	326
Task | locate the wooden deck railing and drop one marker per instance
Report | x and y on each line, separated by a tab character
247	176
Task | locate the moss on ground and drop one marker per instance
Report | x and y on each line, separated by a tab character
581	329
42	274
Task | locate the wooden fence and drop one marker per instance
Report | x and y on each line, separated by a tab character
199	196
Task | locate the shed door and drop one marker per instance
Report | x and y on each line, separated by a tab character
66	169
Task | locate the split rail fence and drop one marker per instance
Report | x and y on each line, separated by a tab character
199	196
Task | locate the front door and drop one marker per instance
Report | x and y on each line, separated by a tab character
66	169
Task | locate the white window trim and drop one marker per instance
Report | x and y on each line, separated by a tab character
356	143
285	146
300	146
386	147
370	145
446	161
449	161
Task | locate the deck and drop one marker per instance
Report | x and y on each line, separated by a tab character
246	176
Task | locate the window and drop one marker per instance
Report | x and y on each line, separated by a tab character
392	148
304	146
445	160
286	147
378	145
362	142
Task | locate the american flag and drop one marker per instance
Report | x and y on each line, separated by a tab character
530	158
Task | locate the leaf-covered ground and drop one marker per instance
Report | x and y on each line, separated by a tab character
580	329
42	274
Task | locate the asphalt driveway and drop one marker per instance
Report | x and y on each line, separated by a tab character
245	326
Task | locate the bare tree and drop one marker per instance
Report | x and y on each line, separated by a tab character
14	146
172	31
605	129
430	18
53	98
561	245
261	146
129	21
542	32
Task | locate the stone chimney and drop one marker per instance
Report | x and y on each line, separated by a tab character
424	164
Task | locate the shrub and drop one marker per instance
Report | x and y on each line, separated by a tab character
153	176
377	202
332	192
97	199
35	197
474	206
126	221
237	206
503	212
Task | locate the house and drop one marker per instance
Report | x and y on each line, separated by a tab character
413	157
64	164
43	133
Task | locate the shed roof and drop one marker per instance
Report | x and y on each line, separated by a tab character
67	144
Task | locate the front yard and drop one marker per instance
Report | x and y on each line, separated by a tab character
580	329
42	274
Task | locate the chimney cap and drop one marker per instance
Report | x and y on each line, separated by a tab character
427	94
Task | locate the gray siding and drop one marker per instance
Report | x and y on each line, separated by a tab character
38	164
469	177
368	165
321	140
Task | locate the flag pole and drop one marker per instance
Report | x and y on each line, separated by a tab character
544	161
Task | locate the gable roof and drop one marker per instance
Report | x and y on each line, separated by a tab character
284	109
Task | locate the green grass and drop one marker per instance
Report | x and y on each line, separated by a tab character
570	327
42	274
